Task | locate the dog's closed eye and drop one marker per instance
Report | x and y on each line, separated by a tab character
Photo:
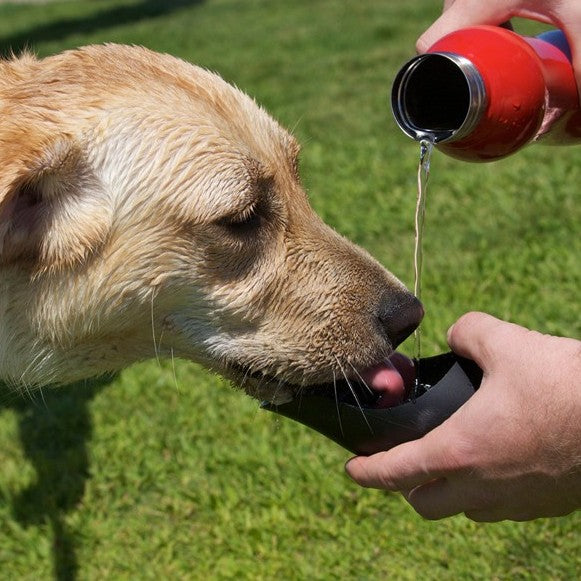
246	222
255	215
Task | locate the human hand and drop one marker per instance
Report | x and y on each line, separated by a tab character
564	14
513	451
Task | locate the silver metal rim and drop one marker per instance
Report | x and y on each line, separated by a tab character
476	94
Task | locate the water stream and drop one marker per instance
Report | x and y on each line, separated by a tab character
426	147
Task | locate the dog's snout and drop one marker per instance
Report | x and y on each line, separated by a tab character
400	316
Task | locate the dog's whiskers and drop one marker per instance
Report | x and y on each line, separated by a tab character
337	403
24	386
354	394
155	345
259	384
361	380
173	368
245	378
42	397
34	366
277	390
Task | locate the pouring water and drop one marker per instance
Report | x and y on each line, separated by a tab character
426	147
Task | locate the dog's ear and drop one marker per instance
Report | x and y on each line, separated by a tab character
52	208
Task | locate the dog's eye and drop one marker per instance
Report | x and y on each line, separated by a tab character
245	222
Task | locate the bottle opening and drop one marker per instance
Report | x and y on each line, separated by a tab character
438	95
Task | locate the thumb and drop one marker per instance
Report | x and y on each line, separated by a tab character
403	467
480	337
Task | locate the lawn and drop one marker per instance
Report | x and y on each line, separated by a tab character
166	472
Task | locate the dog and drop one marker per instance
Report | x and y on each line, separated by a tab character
150	209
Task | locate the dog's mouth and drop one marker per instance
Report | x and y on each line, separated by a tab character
372	423
383	385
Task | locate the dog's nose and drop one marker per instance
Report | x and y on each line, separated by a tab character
400	316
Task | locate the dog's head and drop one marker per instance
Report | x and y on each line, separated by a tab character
147	207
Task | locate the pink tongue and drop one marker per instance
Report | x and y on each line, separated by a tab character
388	381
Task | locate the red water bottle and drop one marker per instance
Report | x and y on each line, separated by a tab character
482	93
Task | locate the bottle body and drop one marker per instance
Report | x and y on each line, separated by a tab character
482	93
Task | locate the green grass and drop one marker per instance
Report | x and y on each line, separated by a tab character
163	473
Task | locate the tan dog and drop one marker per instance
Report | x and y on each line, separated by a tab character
149	208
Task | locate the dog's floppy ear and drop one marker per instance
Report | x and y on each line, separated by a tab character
52	208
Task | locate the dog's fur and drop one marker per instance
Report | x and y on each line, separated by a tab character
149	208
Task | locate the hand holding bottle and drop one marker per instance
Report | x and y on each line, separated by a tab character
565	15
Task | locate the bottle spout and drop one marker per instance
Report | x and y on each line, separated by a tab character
438	96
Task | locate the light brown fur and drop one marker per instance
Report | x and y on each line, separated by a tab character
149	208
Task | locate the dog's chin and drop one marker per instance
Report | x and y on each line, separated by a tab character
385	384
269	389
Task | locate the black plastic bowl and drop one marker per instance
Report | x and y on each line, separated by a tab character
367	430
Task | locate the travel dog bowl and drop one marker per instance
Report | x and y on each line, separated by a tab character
448	382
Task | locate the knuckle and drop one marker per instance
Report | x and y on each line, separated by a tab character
460	455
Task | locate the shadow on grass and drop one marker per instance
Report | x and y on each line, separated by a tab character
54	430
117	16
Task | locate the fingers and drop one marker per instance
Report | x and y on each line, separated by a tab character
408	468
571	24
460	14
443	498
576	50
435	500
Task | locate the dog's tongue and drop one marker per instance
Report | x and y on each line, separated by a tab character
389	379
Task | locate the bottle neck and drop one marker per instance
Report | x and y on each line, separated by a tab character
440	96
